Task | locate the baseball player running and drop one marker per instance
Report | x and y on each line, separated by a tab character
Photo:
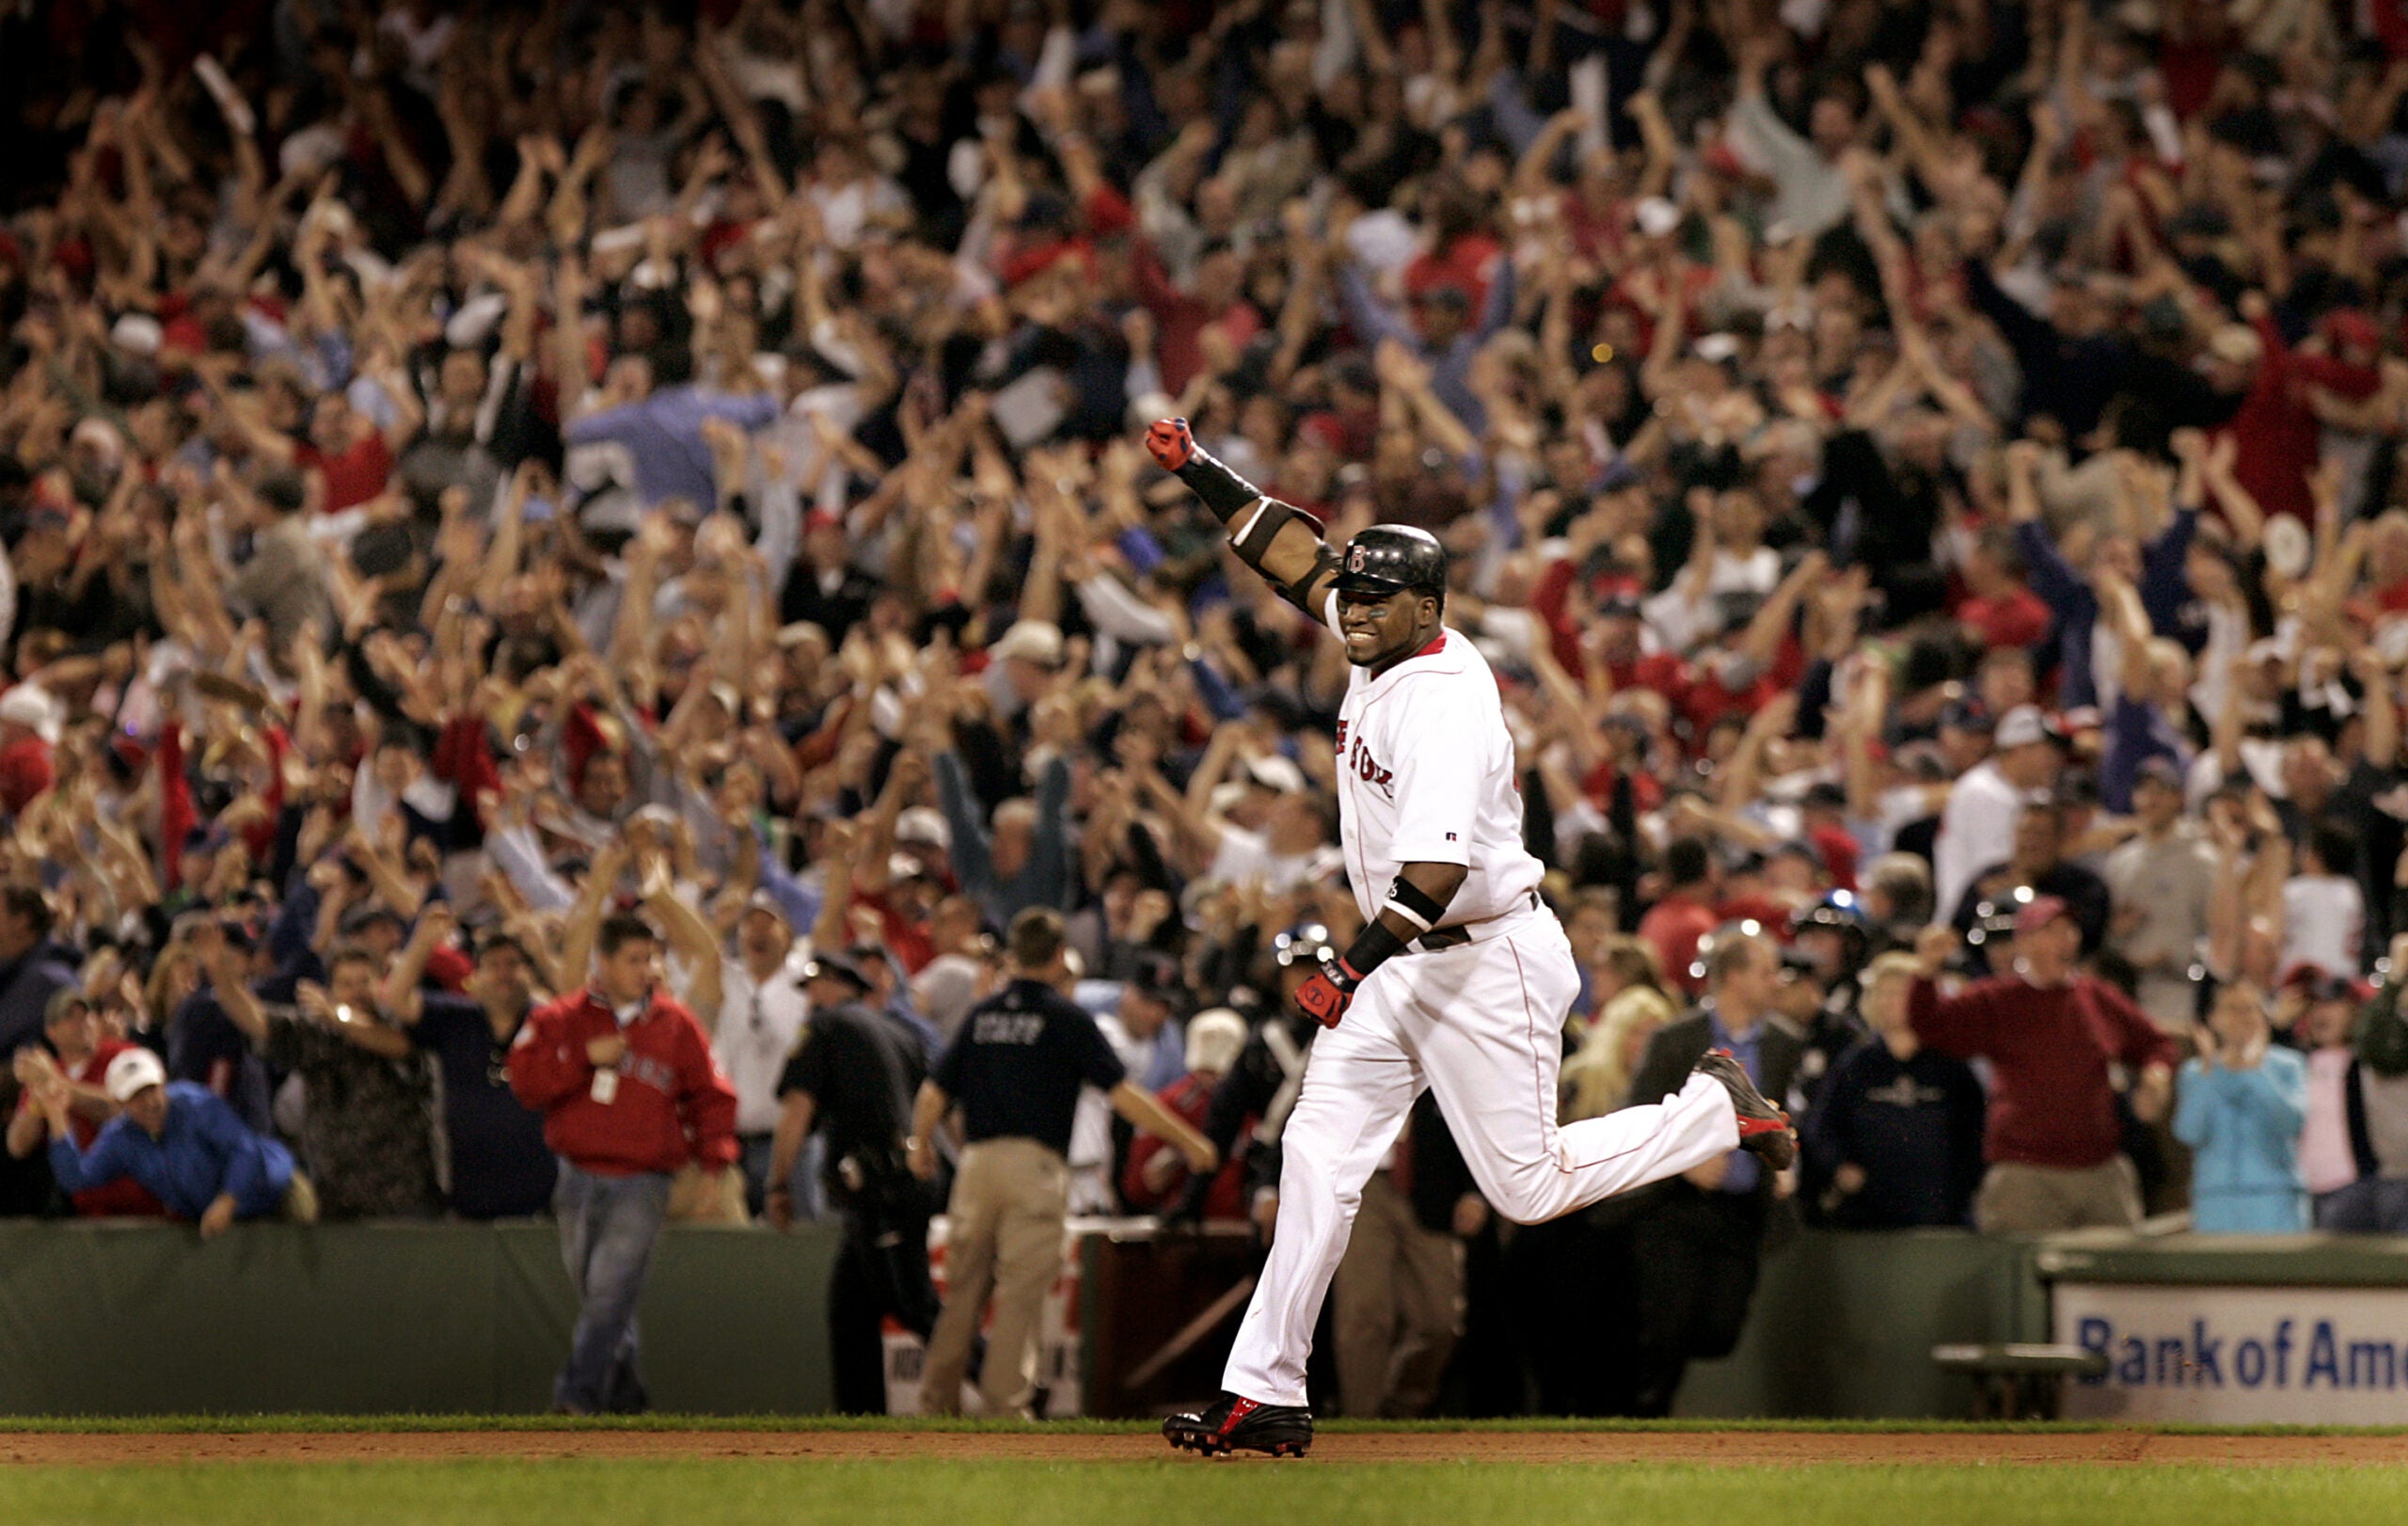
1462	976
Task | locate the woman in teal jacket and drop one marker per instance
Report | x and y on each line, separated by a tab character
2240	1108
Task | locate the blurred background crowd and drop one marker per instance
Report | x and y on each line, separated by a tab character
1924	474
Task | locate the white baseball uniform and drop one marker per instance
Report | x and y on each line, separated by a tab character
1425	770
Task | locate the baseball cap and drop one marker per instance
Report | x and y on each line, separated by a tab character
31	707
2320	984
761	900
924	825
64	1000
2023	725
1214	1040
1039	640
838	966
1275	773
132	1072
2038	912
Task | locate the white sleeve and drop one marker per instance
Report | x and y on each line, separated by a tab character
1437	778
1119	613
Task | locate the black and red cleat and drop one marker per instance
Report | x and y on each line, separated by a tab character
1764	1128
1240	1424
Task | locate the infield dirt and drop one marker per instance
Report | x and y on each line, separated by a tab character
1737	1448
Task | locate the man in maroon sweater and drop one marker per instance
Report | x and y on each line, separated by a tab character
624	1079
2054	1038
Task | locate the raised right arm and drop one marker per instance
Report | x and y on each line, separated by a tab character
1281	542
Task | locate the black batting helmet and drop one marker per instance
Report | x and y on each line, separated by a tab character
1390	559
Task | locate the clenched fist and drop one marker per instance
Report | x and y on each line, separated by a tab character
1324	998
1170	444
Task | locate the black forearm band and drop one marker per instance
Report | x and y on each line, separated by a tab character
1416	904
1222	491
1374	948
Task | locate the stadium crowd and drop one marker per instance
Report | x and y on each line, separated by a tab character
579	588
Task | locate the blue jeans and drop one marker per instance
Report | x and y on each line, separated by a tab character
2370	1205
809	1201
608	1227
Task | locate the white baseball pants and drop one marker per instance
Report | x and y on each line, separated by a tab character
1481	1024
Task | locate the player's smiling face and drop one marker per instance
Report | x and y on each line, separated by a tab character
1381	628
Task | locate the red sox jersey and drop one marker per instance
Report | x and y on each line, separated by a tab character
1425	775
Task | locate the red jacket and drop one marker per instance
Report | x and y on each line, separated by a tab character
671	1103
1192	1100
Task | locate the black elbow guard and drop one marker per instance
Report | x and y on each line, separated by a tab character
1252	538
1299	592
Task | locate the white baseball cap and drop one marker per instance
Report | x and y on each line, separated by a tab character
2021	727
1657	216
1275	773
31	707
1039	640
131	1072
1214	1040
925	826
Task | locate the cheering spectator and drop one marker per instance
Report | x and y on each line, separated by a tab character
33	968
2037	867
760	1023
79	1058
2159	884
2052	1036
1701	1239
2240	1105
1895	1138
498	1163
1978	830
182	1143
1155	1177
367	1128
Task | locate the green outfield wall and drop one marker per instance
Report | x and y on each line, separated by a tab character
106	1319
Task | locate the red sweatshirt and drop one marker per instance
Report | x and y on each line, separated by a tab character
670	1105
2052	1103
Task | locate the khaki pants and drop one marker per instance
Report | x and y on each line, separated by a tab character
1005	1239
1400	1292
699	1197
300	1201
2042	1200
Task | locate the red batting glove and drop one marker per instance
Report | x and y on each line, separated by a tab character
1323	999
1170	443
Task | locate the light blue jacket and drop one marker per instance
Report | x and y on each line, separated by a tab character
2245	1126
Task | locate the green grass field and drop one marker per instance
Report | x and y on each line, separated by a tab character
930	1490
1174	1494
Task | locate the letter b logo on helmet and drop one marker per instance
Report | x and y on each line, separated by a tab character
1389	559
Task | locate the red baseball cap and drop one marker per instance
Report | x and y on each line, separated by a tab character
2038	914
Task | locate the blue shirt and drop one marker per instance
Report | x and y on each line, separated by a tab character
203	1151
664	435
1746	1170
